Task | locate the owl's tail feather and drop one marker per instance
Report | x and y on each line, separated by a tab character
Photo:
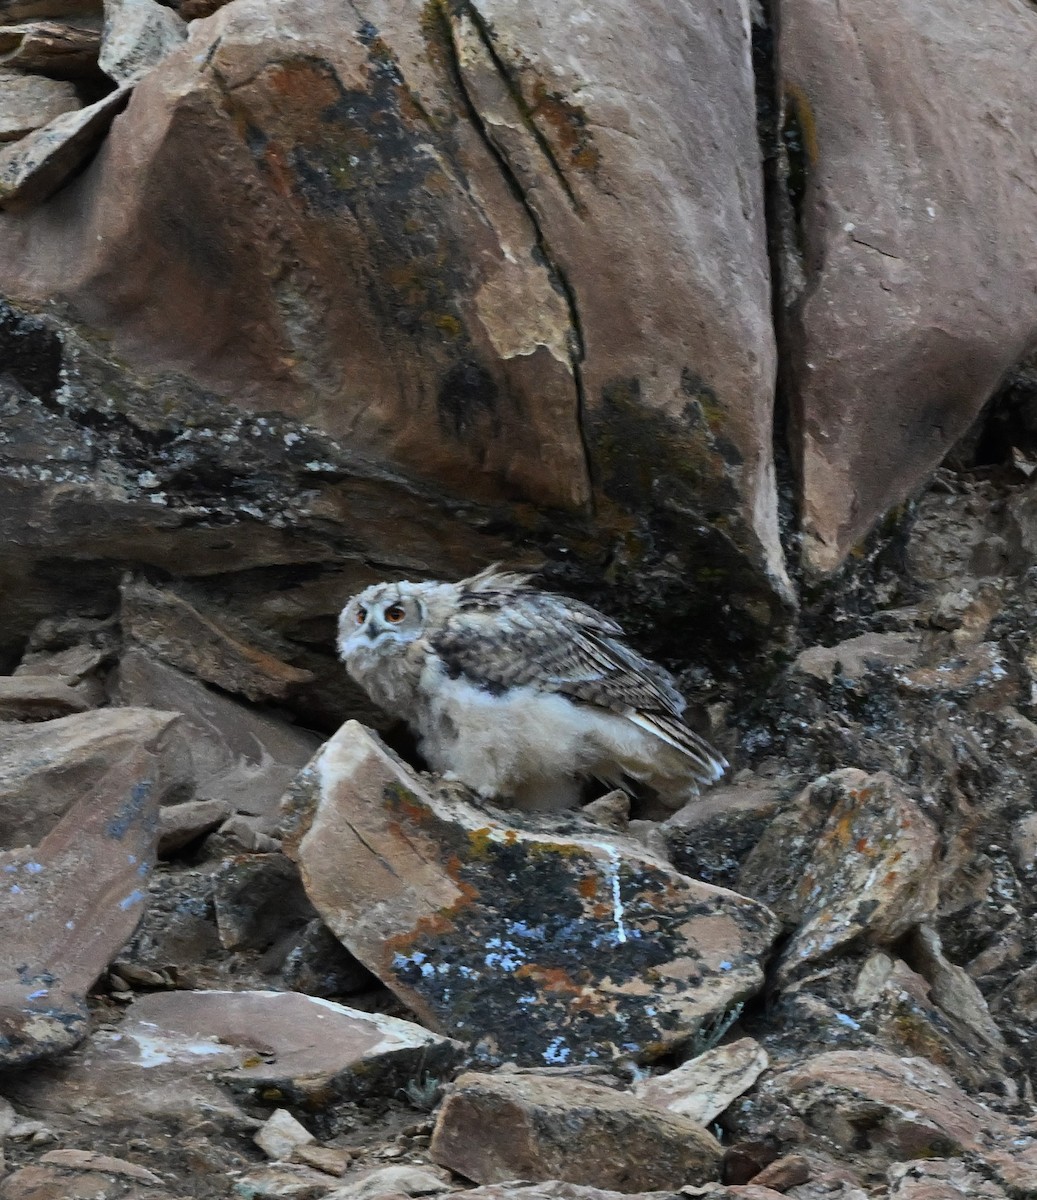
707	765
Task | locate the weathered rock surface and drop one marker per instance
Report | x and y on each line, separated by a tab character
492	1128
703	1087
915	280
239	757
53	48
28	102
32	698
47	766
599	946
867	873
34	167
515	167
138	34
73	900
310	1050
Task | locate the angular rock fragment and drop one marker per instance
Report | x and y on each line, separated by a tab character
535	945
52	48
72	902
855	657
37	165
492	1128
240	757
872	1109
940	1180
866	873
172	629
28	102
310	1050
138	34
703	1087
45	767
281	1134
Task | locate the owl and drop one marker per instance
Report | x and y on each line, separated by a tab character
520	694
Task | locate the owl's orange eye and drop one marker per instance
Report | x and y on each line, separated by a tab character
394	614
361	615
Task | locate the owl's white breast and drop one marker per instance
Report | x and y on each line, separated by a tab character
520	740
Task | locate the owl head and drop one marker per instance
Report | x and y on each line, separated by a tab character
382	617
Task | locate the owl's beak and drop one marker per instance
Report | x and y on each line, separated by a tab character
371	632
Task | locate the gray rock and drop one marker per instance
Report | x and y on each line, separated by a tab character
281	1134
703	1087
56	49
28	102
137	36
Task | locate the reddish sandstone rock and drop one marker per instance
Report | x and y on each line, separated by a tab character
912	293
439	265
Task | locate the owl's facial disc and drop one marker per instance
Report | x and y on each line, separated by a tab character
377	620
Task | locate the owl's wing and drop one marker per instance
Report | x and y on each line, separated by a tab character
504	637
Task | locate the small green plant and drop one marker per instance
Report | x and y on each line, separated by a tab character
709	1034
423	1092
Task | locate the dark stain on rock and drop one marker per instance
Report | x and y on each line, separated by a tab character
467	400
30	352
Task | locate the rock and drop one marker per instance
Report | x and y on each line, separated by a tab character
138	34
553	402
40	698
703	1087
74	663
471	921
27	10
45	766
182	824
709	838
318	964
317	1051
281	1134
38	164
291	1181
956	994
64	1183
869	1110
980	676
869	873
939	1179
784	1173
900	303
73	900
492	1128
259	900
174	630
853	658
240	757
90	1160
332	1160
28	102
55	49
394	1181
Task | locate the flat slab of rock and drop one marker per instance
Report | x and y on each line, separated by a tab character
28	102
703	1087
72	902
172	629
45	766
53	48
239	757
40	698
493	1128
138	34
535	945
34	167
309	1049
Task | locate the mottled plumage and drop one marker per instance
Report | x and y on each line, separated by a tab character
522	694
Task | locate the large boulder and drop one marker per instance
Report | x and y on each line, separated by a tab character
910	276
511	255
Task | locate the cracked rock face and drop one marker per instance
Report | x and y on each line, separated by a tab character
439	266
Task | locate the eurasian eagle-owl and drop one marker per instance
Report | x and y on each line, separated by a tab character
520	694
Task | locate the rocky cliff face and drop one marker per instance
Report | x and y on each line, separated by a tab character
720	319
